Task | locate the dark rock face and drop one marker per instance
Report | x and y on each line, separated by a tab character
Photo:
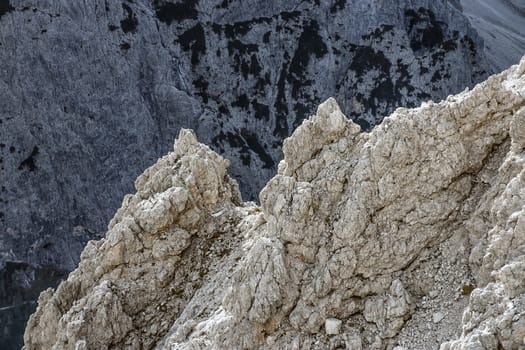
501	24
93	92
20	285
5	7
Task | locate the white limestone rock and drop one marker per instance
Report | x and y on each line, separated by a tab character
332	326
93	92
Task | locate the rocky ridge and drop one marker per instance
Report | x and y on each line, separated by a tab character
93	92
363	241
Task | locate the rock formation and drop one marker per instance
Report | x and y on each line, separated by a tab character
501	24
93	92
378	240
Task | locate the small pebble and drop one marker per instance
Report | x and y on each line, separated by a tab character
333	326
437	317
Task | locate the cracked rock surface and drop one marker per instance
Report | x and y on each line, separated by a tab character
411	236
93	92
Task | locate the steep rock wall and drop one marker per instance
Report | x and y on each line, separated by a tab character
94	92
501	24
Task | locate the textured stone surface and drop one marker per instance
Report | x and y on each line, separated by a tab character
169	219
501	24
65	118
332	326
93	92
420	217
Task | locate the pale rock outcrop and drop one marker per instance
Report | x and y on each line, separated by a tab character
392	233
135	275
93	92
495	316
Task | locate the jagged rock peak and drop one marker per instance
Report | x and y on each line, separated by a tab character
103	87
378	240
151	231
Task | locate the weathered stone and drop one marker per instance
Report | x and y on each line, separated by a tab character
93	92
431	200
332	326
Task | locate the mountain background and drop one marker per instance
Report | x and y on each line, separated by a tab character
94	92
501	24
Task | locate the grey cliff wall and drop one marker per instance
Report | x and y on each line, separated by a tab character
93	92
501	24
411	236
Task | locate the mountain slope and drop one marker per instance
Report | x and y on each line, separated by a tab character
94	91
501	24
362	240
